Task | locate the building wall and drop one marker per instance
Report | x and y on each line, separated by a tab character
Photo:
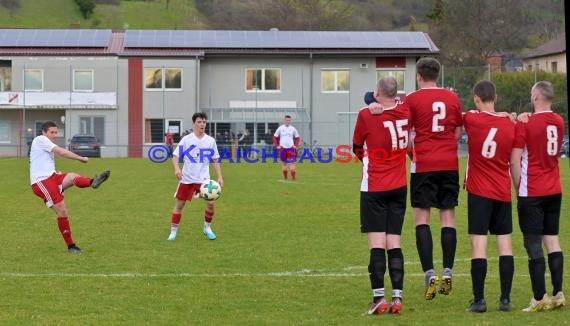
57	100
545	63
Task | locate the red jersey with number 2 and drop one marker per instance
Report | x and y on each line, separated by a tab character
541	140
434	115
491	139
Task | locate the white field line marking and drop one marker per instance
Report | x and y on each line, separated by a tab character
349	271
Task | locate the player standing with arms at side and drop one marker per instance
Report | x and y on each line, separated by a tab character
286	139
487	180
384	140
435	118
49	185
194	172
535	173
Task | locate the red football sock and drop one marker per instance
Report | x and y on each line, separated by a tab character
176	219
285	174
293	173
82	182
65	229
208	216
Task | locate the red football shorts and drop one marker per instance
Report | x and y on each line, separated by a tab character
50	189
187	191
287	155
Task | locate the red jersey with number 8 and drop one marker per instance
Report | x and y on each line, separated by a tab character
541	140
434	114
491	139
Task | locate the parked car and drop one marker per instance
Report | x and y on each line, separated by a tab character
85	145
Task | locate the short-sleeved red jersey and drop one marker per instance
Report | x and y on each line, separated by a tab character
434	115
491	139
385	139
540	139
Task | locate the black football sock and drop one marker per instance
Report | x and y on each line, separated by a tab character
556	266
424	243
506	272
377	269
536	269
448	246
478	275
396	268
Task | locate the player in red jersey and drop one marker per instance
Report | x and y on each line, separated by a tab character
535	173
435	117
286	139
487	180
380	141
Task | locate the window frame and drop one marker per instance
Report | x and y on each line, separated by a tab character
92	79
335	81
8	126
165	125
163	76
390	71
26	70
263	88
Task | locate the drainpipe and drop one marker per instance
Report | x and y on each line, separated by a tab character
311	97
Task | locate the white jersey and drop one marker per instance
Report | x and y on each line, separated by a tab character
286	136
42	159
197	153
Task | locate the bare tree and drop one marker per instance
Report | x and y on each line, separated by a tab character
11	5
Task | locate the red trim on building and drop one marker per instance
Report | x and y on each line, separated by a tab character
391	62
135	144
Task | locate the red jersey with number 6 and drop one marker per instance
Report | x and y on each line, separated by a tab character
434	115
541	140
491	139
385	140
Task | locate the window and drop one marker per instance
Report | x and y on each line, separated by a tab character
156	128
5	75
33	79
335	81
5	131
398	74
83	80
554	66
163	78
93	126
263	80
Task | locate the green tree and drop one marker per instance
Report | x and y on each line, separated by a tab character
86	7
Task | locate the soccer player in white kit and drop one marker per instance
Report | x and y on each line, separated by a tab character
49	185
198	150
286	139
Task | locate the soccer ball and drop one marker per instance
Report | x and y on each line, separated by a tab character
210	190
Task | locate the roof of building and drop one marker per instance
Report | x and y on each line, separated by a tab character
551	47
215	42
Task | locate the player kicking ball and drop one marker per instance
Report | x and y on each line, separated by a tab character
49	185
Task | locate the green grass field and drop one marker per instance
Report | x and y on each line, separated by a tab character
286	254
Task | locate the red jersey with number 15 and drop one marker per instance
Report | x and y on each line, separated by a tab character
434	115
540	139
385	140
491	140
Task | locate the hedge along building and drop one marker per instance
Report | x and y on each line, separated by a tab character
129	88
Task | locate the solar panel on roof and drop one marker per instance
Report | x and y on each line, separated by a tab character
54	38
273	39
